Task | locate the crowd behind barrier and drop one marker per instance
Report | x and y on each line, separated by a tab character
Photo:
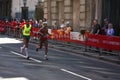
98	41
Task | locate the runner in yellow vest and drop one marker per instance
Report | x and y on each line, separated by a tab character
27	28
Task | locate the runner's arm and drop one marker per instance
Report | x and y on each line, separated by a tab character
39	32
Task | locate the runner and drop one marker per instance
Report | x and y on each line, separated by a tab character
27	28
43	32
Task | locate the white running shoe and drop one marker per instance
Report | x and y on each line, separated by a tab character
45	57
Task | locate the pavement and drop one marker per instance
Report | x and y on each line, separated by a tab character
62	65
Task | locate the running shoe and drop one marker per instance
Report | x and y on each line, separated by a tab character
28	58
37	49
45	57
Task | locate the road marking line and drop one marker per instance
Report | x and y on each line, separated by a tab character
17	54
17	78
0	47
36	60
75	74
25	57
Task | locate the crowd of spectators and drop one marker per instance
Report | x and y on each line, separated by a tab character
65	28
106	29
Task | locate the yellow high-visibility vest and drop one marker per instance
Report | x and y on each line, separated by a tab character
26	31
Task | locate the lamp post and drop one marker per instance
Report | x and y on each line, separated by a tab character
24	10
24	3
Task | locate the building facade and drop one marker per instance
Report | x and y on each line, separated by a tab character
5	10
13	8
17	6
81	13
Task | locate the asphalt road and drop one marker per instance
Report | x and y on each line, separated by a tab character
60	66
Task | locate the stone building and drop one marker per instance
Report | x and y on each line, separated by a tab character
5	8
13	8
81	13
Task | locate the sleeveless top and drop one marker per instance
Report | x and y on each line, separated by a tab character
26	31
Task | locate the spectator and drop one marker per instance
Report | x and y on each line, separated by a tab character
106	22
95	30
31	22
103	30
54	26
62	26
110	31
95	27
35	23
68	28
23	22
40	23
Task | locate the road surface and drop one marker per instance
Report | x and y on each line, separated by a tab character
60	66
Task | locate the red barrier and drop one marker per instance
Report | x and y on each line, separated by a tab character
2	29
99	41
93	40
34	32
111	43
105	42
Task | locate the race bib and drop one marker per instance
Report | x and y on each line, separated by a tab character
27	32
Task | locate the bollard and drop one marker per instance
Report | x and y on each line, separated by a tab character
85	48
85	45
101	50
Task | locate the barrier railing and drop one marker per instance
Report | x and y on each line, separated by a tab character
111	43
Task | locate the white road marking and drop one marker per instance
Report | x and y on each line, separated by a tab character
9	40
0	47
18	78
25	57
18	54
75	74
35	60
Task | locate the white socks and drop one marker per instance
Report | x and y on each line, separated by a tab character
26	51
21	49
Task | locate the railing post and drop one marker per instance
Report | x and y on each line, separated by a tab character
101	50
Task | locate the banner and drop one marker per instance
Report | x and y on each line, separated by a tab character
110	42
104	42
